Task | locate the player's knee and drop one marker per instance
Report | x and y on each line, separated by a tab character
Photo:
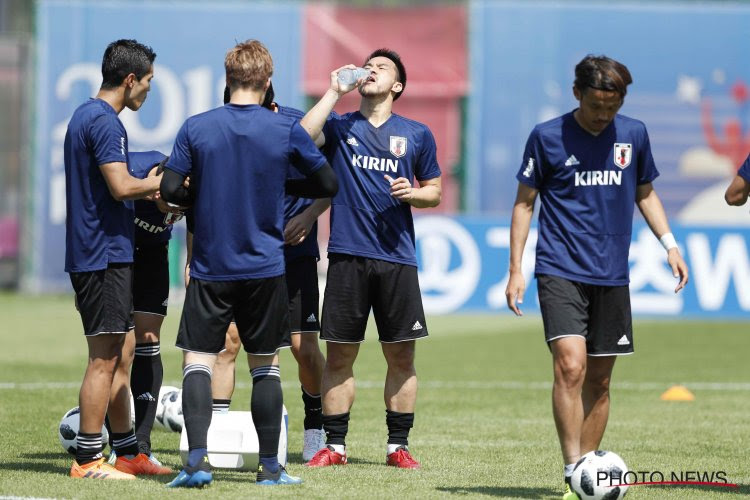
339	362
570	370
401	359
598	386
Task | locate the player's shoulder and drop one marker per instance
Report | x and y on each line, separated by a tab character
553	126
93	110
629	122
413	124
288	111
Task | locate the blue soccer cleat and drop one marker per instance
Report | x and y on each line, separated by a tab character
197	479
266	478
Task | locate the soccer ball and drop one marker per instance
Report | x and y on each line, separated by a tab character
165	393
596	472
173	419
68	431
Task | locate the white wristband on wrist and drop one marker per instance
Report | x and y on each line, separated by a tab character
668	242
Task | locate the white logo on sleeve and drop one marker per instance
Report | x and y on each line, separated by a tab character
311	318
529	167
352	141
572	161
417	326
122	145
623	340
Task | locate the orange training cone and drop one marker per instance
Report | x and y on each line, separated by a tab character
677	393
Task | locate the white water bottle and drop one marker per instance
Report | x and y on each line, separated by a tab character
350	76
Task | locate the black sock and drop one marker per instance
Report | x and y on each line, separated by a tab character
266	406
125	443
336	427
221	405
145	382
399	425
89	447
196	404
313	410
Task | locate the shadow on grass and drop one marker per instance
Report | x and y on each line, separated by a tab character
35	467
47	455
499	491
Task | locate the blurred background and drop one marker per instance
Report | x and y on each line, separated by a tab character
480	74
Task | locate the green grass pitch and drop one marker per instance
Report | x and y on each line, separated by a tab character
483	425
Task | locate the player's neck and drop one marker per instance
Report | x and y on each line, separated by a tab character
246	96
113	97
377	111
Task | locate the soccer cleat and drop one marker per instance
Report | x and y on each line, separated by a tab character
569	494
98	469
315	440
141	465
326	457
266	478
197	479
402	459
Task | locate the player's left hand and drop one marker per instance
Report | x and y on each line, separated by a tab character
679	268
297	229
401	188
168	208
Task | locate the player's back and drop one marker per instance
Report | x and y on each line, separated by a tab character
240	162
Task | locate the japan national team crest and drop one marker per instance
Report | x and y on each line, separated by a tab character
398	146
623	154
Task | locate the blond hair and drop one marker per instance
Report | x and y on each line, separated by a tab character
248	64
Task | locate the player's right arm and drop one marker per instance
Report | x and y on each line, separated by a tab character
314	120
189	252
523	210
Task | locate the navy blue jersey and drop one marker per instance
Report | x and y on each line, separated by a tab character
239	157
294	206
587	185
744	170
365	219
98	228
149	220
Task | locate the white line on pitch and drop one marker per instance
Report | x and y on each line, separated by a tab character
437	384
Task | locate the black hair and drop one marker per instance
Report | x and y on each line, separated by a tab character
602	73
400	70
123	57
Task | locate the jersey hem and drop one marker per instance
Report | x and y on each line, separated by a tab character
581	279
235	277
372	256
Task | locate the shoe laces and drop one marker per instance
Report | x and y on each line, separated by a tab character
403	455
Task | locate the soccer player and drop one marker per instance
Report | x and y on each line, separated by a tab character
99	255
739	189
300	255
371	251
589	166
237	265
153	229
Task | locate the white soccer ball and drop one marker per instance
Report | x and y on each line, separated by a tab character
164	394
67	431
596	474
173	419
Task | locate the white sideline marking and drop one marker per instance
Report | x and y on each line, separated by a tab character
24	498
434	384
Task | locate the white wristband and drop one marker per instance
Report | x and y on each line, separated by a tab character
668	242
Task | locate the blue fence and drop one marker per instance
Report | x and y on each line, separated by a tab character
464	268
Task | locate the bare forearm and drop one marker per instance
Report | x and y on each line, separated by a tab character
519	233
653	213
314	120
426	197
737	192
132	188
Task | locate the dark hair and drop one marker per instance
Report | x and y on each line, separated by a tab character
602	73
123	57
267	101
400	70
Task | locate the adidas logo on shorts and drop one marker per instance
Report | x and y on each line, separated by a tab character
623	340
311	319
165	303
417	326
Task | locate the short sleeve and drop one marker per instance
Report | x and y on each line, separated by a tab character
109	141
744	170
181	159
427	166
303	154
647	171
531	172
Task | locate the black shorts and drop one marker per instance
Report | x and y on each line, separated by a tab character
151	279
259	307
599	314
105	299
356	284
304	297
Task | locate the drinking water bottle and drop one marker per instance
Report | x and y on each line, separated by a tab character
350	76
